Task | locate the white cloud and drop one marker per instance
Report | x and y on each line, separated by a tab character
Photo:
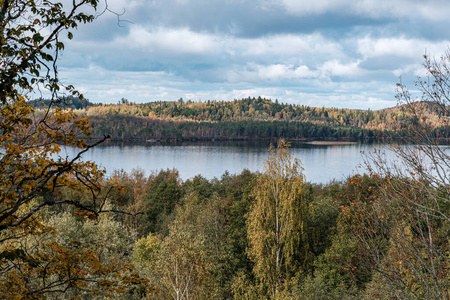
180	40
336	68
272	72
399	46
369	47
280	72
239	48
429	10
107	86
186	41
312	7
100	85
288	44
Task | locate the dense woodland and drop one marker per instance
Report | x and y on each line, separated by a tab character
245	119
217	239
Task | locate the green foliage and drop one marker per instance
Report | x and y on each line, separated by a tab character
238	201
30	31
176	265
209	231
322	222
319	288
256	109
244	288
163	193
123	126
146	251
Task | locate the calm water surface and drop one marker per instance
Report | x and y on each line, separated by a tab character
321	163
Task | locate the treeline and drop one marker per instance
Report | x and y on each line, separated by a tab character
70	102
261	109
138	128
247	119
255	109
258	109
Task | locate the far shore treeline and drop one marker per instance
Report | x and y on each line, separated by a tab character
244	119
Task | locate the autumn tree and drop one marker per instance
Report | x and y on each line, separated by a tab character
74	257
176	264
277	224
414	208
32	173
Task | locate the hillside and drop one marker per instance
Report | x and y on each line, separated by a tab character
248	119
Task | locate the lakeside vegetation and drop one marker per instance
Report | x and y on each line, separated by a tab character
217	239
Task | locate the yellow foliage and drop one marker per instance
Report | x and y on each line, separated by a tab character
277	220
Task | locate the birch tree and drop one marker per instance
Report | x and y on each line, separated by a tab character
277	230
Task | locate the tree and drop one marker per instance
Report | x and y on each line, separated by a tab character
78	257
176	265
29	141
32	173
163	193
415	200
277	230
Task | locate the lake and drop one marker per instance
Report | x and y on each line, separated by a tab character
322	163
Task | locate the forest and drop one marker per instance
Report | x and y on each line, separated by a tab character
245	119
267	235
69	232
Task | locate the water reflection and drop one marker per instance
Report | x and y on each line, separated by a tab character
322	163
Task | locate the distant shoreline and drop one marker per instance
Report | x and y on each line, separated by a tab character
330	143
256	140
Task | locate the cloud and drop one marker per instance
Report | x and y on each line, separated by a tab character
271	73
377	9
206	56
288	44
326	52
430	10
397	46
280	71
110	86
398	55
336	68
313	7
181	40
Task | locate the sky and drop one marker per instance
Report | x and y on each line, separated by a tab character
332	53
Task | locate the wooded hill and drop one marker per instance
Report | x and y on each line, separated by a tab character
245	119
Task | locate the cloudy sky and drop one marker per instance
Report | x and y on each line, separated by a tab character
333	53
